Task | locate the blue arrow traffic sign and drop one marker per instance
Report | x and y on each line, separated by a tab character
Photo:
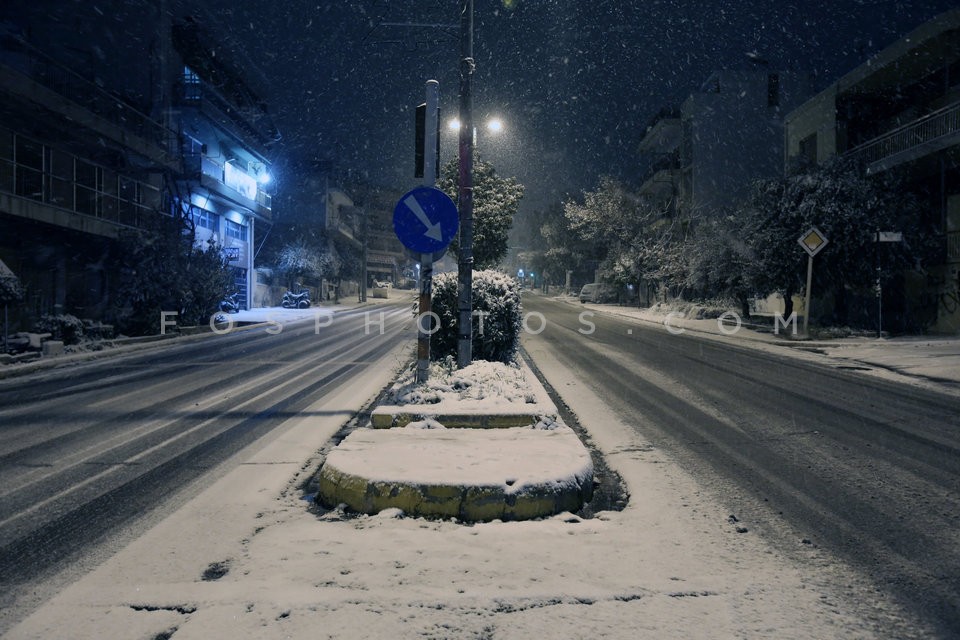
425	219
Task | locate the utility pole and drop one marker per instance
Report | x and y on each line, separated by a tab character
465	191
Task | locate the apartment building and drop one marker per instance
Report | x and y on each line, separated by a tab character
108	118
703	155
901	110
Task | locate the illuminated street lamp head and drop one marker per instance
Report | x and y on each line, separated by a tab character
453	124
495	125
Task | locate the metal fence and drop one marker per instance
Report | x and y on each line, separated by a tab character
930	127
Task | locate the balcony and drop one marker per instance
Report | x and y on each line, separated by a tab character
931	133
210	174
36	81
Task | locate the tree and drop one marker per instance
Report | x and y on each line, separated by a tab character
495	203
716	263
164	270
849	208
634	240
303	258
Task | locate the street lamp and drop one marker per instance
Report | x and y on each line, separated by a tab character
494	125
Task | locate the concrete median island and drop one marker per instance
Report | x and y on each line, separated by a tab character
442	458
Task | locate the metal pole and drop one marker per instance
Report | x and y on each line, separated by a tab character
465	192
806	302
879	305
362	290
426	259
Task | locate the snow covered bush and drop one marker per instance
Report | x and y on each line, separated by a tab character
63	327
497	316
10	289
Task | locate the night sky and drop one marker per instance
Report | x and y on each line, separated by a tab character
576	82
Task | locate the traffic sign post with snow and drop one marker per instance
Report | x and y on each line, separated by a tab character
425	219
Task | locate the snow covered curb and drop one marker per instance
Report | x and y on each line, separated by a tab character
433	452
483	394
468	474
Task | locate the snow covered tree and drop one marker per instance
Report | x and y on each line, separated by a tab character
634	240
495	203
163	269
849	208
10	289
302	259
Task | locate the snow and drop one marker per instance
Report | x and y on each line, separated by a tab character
279	314
482	388
931	362
513	458
672	564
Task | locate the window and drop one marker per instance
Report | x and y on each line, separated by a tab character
29	170
89	182
234	230
191	85
204	219
773	90
808	149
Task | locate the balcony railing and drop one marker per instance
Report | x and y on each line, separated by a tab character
953	246
101	193
928	129
74	87
196	164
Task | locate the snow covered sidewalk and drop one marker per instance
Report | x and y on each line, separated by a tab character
930	361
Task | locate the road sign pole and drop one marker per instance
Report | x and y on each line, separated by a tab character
426	258
812	242
806	300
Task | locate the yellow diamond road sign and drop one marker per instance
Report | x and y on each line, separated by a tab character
812	241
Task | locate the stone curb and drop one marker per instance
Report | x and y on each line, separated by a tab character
391	416
368	491
537	497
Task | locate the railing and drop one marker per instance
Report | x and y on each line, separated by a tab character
108	196
930	127
196	164
89	95
953	246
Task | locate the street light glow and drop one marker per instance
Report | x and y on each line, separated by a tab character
495	125
453	124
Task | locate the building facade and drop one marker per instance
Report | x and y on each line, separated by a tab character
901	109
732	135
106	119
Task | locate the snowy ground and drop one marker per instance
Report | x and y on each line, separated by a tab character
482	388
927	361
247	558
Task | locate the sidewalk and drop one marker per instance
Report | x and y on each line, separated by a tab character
931	361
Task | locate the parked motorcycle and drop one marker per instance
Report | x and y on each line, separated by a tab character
293	300
231	303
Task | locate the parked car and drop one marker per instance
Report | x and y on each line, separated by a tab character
598	292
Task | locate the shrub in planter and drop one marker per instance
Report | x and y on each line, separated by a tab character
63	327
497	296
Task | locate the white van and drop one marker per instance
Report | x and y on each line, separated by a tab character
598	292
